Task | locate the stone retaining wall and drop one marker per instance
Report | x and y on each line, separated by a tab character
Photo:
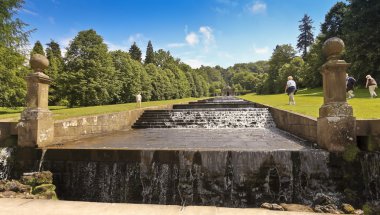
297	124
368	134
7	129
82	127
367	130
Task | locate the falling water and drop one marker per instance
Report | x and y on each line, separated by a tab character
42	159
5	162
223	178
207	118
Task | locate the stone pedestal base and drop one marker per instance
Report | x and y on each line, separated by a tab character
36	128
339	109
336	133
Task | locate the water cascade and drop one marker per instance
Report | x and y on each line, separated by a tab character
206	118
5	162
221	176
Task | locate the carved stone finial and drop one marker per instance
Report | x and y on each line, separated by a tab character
333	48
38	62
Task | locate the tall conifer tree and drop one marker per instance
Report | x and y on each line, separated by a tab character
38	48
306	38
135	52
149	57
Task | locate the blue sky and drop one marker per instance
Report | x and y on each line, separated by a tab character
200	32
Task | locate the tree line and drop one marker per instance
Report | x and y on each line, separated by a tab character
356	22
90	74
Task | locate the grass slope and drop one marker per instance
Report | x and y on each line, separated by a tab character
308	102
61	112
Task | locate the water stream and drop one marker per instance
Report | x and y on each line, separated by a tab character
6	162
42	159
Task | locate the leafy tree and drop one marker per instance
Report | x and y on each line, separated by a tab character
333	24
38	49
314	60
128	75
164	58
170	91
306	38
12	73
135	52
13	38
53	53
246	80
12	30
281	55
149	57
295	68
201	84
157	81
362	33
89	71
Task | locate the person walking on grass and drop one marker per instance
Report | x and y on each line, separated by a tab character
372	85
138	100
290	89
350	83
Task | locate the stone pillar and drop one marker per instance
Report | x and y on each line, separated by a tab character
36	126
336	127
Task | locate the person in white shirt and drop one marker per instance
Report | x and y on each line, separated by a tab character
372	85
138	100
290	89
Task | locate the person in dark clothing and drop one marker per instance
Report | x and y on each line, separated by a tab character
350	83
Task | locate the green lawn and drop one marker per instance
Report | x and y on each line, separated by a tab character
61	112
308	102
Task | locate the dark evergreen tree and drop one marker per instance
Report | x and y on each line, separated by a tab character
306	38
149	56
38	49
362	33
89	75
135	52
333	24
53	53
53	50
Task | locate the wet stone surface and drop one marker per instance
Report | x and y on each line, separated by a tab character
271	139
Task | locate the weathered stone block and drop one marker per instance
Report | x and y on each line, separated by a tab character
36	128
336	133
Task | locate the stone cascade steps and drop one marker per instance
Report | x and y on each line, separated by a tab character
206	118
214	105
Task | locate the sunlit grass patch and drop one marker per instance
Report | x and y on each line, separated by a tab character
308	102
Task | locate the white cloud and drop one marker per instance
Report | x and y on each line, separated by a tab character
176	45
138	38
264	50
114	47
258	7
29	12
192	39
196	63
208	37
64	43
